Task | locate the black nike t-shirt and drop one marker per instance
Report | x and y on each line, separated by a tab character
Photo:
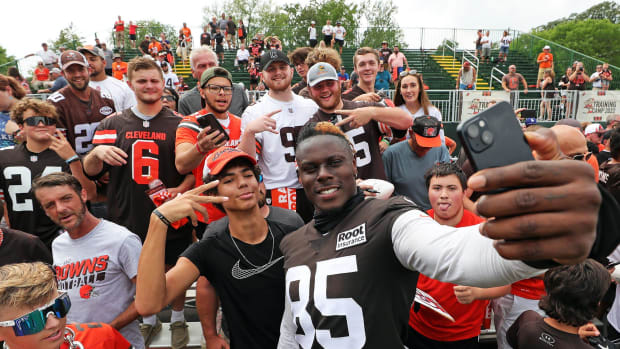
252	295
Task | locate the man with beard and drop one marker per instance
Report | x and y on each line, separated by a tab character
80	107
201	59
363	122
269	130
44	151
122	95
113	249
136	147
194	143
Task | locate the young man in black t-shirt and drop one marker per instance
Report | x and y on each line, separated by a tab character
242	261
364	126
351	272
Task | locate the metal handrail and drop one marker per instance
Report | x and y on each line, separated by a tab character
495	78
467	52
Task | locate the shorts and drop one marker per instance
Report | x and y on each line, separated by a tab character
219	48
253	80
312	42
340	42
541	72
228	37
328	39
479	47
464	87
132	37
245	61
504	49
399	70
175	247
486	52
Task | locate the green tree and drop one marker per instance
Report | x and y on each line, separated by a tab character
247	10
609	10
5	60
68	38
594	37
381	19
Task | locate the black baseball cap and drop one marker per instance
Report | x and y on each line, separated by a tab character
271	56
426	130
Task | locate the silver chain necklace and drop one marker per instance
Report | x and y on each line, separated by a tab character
69	339
273	244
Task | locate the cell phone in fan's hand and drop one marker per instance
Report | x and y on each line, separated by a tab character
494	138
210	120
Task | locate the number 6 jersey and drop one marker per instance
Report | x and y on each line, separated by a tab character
19	167
149	145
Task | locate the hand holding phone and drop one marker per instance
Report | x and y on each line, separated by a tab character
210	120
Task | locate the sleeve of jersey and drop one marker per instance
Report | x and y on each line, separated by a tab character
456	255
187	131
287	329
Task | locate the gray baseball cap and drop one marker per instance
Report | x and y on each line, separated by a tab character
93	50
320	72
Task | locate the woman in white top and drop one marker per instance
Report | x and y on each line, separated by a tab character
410	96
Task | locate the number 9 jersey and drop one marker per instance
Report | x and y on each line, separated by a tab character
149	145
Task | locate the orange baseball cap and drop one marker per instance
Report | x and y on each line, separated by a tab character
426	130
217	160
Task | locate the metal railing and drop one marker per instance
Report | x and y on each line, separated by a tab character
493	77
471	61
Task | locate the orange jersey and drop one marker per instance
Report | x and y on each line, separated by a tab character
187	132
155	47
96	335
187	32
546	64
119	69
42	74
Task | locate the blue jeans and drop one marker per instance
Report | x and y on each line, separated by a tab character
464	87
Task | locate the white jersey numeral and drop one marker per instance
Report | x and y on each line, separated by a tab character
25	182
84	136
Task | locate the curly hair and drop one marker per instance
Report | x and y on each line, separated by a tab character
42	108
327	55
299	55
17	90
574	292
321	128
26	284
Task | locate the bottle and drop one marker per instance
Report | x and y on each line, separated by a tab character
157	192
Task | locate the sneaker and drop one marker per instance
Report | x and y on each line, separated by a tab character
180	335
149	332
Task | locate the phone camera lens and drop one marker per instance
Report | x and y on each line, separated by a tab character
487	137
473	131
481	123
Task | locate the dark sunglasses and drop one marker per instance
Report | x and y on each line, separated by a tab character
34	322
407	72
582	157
35	120
167	98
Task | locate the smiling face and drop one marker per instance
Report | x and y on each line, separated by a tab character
410	89
327	171
77	76
63	205
278	76
148	85
39	133
51	337
445	194
326	94
367	67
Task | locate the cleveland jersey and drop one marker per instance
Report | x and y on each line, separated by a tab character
347	289
150	149
365	140
78	119
18	168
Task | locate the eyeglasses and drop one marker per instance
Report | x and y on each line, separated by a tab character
215	89
34	322
582	157
35	120
167	98
409	72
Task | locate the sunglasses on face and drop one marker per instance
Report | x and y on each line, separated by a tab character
35	120
582	157
167	98
405	73
34	322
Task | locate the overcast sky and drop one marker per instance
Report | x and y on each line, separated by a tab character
35	21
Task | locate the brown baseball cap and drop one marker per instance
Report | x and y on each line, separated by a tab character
70	57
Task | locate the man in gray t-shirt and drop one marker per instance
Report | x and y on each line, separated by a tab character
109	59
407	162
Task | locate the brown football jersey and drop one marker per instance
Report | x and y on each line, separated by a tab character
365	139
78	119
347	288
609	177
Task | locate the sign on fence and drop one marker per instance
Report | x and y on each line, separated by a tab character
595	106
476	101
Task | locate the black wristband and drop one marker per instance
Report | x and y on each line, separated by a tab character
161	217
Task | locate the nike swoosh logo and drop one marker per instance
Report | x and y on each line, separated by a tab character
238	273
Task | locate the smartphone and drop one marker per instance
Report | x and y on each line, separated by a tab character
528	113
494	138
210	120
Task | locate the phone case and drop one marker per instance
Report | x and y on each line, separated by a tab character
210	120
506	145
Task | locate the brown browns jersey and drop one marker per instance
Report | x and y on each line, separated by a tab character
18	168
78	119
347	288
353	93
149	146
365	139
609	177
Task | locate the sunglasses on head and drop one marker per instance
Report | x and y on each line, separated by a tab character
582	157
35	120
407	72
34	322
